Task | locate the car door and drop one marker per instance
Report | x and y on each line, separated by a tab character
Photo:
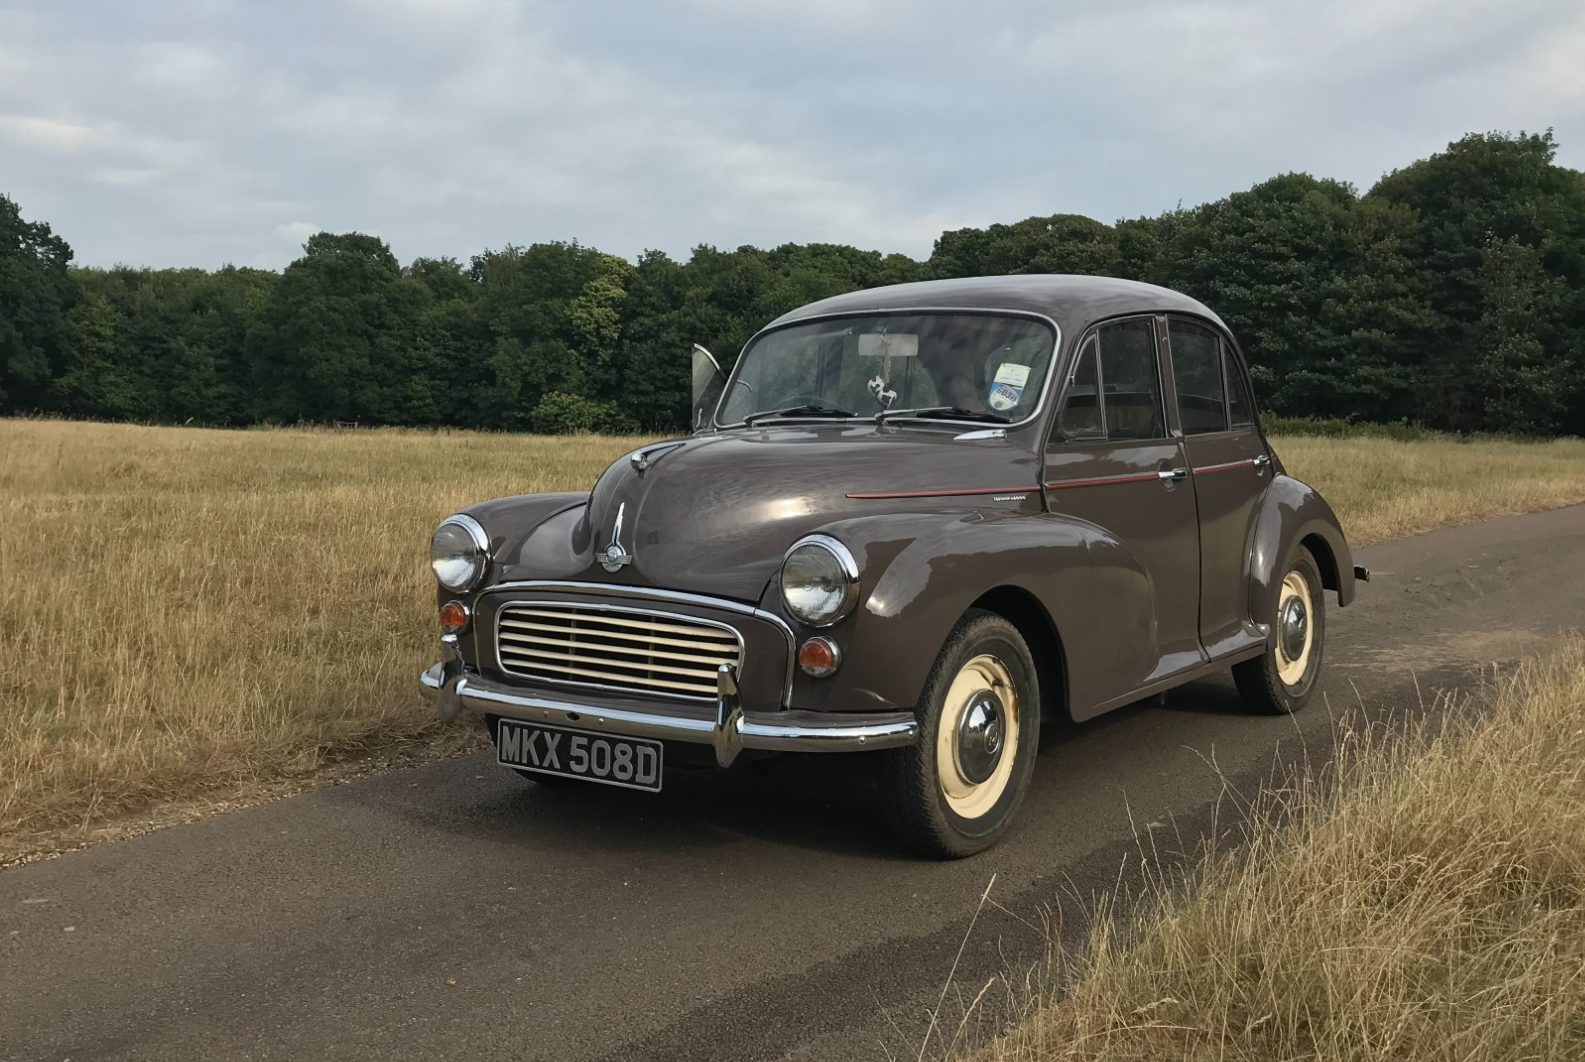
1111	461
1230	469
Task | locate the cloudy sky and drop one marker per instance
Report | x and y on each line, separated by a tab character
198	132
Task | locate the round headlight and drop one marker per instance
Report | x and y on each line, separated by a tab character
819	581
458	552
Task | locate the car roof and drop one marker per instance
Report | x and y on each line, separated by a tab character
1072	300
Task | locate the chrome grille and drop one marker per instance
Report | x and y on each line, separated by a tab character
627	649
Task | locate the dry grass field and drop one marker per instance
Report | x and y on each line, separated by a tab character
1382	488
1426	900
193	613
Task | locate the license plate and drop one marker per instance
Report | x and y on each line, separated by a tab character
631	762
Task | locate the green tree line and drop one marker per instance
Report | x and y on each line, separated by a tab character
1451	294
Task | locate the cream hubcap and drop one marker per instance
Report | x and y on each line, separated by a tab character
977	742
1295	631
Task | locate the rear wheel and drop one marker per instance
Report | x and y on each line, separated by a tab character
1281	679
957	790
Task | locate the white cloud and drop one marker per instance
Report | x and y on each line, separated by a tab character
128	176
45	134
178	66
297	232
207	131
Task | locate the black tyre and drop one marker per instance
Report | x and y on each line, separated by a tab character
957	790
1281	679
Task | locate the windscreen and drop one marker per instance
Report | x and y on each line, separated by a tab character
987	365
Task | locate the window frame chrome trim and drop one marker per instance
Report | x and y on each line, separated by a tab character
901	311
1163	375
1221	335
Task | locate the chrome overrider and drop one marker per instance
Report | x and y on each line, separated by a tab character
730	731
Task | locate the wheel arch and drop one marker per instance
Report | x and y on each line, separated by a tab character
1294	513
923	571
1325	560
1034	623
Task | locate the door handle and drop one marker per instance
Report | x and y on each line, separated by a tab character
1260	462
1170	475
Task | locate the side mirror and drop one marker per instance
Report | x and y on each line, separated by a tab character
708	380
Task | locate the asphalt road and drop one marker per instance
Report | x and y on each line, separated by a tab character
453	910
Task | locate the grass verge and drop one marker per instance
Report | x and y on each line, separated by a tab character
194	613
1422	898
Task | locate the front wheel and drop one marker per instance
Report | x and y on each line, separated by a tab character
1280	680
956	791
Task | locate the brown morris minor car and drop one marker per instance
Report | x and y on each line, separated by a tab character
915	522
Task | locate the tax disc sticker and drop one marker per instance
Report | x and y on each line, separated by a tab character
1005	396
1008	387
1017	375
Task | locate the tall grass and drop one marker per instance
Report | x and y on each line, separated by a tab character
1423	899
1383	488
187	611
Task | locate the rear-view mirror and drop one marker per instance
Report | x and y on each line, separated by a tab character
888	345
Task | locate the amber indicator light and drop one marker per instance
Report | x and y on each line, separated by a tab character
819	657
453	617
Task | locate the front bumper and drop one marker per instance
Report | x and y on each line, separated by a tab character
729	731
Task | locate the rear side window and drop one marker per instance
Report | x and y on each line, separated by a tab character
1131	381
1197	370
1239	405
1081	416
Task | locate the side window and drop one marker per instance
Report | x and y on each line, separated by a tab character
1197	370
1131	381
1081	416
1239	404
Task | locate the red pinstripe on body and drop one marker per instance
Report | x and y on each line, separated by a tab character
1061	484
1102	481
875	495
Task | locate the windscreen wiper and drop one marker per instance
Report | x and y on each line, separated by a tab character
943	413
800	411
